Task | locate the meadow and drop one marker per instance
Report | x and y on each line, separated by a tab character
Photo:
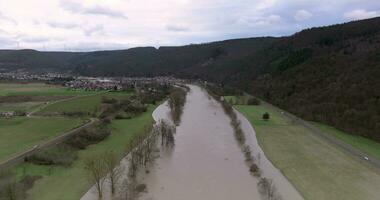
21	133
318	169
90	104
67	183
39	89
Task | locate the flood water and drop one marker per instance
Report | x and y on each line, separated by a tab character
206	162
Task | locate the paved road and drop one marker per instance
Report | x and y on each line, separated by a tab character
54	141
362	156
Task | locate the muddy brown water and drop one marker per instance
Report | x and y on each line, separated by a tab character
206	162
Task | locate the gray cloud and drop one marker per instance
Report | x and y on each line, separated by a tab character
177	28
75	7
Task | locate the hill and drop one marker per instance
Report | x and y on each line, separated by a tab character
328	74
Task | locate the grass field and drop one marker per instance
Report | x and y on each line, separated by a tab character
59	183
316	168
24	106
88	104
21	133
366	145
38	89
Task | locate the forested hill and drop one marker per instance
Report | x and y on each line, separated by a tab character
329	74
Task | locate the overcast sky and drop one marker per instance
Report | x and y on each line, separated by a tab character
118	24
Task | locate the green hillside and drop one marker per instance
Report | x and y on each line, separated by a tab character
327	74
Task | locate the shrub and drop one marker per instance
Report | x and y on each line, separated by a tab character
109	100
88	136
266	116
58	155
253	101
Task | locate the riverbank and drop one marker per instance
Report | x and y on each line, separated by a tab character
319	170
67	183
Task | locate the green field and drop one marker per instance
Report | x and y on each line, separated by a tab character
24	106
319	170
366	145
39	89
60	183
87	104
21	133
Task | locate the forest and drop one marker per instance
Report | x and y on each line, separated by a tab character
327	74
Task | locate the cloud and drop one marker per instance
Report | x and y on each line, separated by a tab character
64	25
78	8
7	19
97	29
302	15
177	28
361	14
35	39
6	42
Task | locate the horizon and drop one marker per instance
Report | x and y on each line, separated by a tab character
93	25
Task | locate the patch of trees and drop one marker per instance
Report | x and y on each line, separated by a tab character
295	58
151	94
88	136
58	155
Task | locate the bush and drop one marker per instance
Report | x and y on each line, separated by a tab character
135	108
88	136
58	155
266	116
253	101
76	113
109	100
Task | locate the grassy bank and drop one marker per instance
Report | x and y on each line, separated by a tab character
60	183
316	168
21	133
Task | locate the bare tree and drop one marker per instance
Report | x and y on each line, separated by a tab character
96	170
111	162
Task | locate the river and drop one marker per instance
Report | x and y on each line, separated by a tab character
206	162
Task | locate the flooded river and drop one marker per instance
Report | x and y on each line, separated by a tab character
206	162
